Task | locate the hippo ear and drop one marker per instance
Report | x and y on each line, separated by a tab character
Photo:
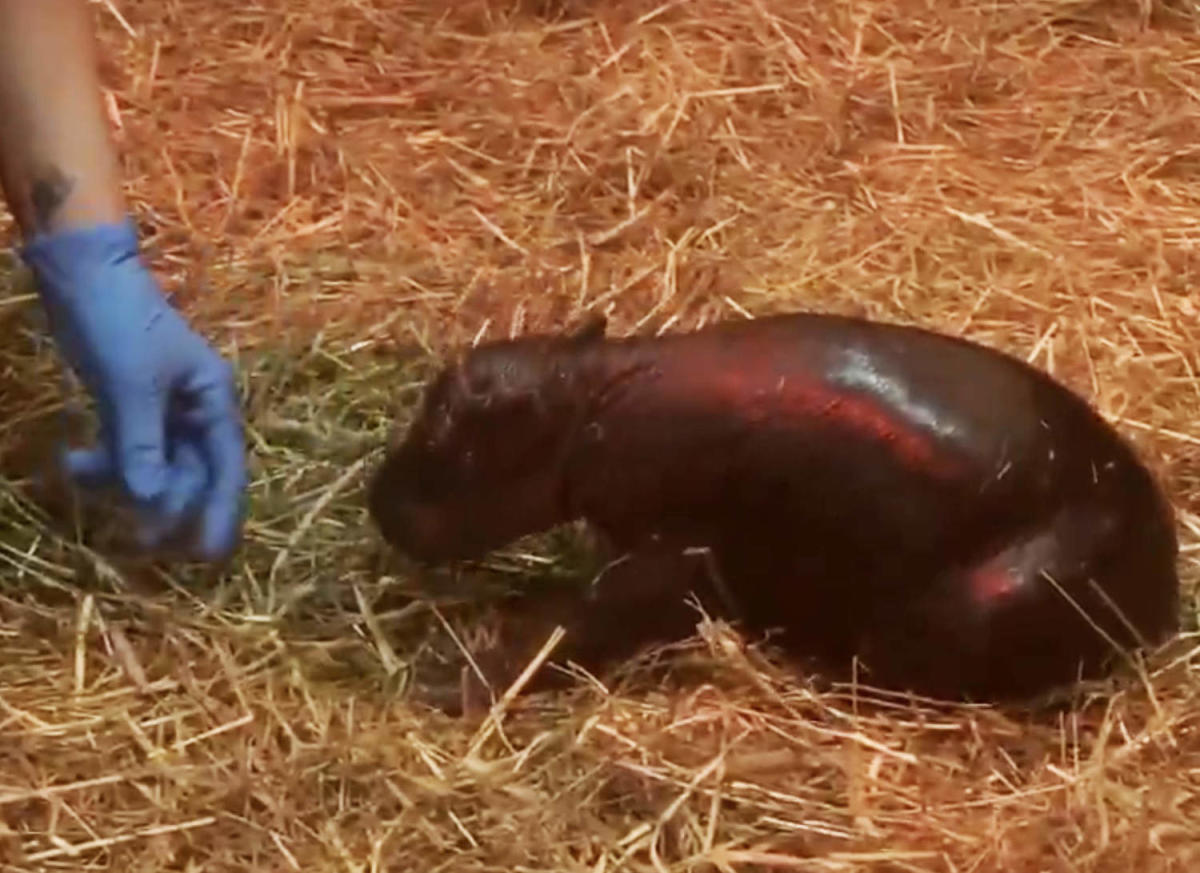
592	330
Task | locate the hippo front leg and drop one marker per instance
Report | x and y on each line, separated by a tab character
639	601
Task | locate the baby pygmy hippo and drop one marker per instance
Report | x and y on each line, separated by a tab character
959	521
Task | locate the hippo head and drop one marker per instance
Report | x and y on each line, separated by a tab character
482	463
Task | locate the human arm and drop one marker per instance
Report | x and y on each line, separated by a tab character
170	428
58	167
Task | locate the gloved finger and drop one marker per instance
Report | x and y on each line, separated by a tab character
134	418
186	479
90	469
221	513
223	445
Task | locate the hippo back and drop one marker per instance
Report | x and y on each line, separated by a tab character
834	430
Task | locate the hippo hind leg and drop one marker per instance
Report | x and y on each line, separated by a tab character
1060	603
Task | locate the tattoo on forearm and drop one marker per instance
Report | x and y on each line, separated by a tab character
50	189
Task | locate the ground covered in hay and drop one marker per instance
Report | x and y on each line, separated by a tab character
340	192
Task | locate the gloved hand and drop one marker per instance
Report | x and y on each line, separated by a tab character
171	432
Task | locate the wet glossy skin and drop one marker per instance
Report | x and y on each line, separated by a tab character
866	489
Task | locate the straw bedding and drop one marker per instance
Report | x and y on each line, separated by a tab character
339	193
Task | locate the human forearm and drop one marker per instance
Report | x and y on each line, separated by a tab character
170	426
58	166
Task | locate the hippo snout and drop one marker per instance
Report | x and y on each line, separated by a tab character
425	530
414	530
397	514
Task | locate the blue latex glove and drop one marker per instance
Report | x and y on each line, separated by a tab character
171	432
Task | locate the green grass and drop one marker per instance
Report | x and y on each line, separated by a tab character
318	418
